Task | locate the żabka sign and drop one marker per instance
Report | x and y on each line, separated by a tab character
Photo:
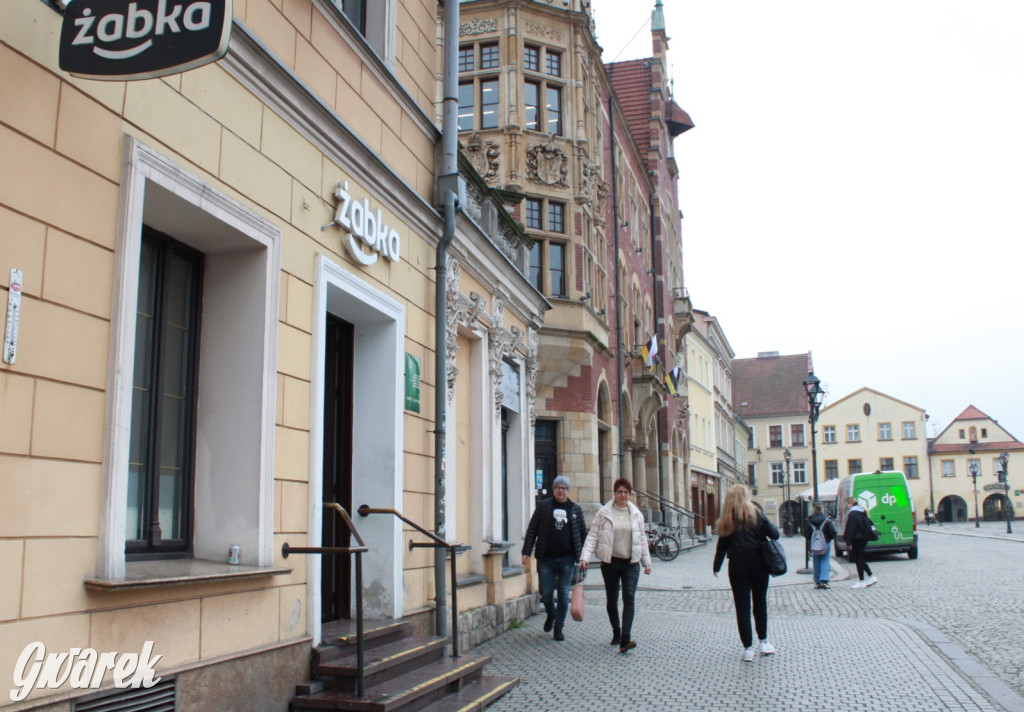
142	39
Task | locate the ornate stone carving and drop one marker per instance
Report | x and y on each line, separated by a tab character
532	363
547	164
538	30
460	310
485	157
478	27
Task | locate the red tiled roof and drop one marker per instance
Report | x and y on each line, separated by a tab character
971	413
631	82
770	385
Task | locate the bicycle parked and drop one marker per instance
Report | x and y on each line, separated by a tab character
663	545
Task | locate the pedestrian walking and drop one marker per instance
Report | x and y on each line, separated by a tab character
555	537
856	534
819	531
619	539
741	528
928	516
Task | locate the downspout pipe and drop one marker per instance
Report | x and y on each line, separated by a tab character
449	192
618	287
657	296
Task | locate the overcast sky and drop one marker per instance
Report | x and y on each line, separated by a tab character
854	187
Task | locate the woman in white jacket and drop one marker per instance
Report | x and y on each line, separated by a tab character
619	538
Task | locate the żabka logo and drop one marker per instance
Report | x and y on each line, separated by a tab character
142	39
81	669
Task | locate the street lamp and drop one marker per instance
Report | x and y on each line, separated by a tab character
1004	460
974	476
787	455
815	396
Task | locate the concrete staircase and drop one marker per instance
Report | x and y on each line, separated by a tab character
402	672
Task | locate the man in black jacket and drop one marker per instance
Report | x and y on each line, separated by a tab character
558	531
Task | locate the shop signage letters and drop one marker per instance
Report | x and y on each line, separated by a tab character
142	39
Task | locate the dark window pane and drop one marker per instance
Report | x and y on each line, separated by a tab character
466	59
554	63
489	56
556	217
161	442
531	58
466	107
535	265
531	97
533	214
355	10
489	104
554	111
556	255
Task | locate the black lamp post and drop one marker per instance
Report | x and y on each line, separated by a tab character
787	455
1004	460
815	397
974	476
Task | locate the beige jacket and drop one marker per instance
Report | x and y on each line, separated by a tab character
599	539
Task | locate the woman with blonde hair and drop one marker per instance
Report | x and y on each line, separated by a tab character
741	529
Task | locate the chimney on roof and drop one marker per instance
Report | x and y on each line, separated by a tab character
766	354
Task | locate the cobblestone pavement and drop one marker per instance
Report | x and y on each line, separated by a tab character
938	633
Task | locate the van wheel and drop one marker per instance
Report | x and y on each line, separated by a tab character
912	553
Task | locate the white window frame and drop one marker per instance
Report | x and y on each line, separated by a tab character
854	430
887	435
799	472
949	468
909	425
826	431
234	469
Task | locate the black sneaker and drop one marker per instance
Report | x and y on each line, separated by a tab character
549	623
615	638
824	584
558	634
626	644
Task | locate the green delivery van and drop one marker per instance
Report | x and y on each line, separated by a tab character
886	498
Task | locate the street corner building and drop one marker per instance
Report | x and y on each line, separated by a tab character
226	269
307	302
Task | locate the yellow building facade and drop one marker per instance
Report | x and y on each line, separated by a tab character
867	431
227	318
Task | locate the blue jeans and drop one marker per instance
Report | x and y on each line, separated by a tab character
555	573
821	568
619	572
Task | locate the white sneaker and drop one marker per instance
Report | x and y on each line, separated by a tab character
748	655
767	648
859	584
870	582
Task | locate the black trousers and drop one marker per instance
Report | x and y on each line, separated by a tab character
749	581
857	547
620	573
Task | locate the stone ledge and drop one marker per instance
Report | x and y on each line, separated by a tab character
177	572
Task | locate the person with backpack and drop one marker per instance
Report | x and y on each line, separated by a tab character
819	531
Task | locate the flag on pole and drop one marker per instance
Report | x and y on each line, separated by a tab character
672	380
649	351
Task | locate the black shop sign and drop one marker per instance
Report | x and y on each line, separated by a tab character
142	39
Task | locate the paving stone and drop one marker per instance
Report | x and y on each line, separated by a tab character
937	633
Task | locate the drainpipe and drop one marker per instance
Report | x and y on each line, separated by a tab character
654	284
618	287
449	191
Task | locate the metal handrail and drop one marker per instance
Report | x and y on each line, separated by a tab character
334	550
436	542
669	503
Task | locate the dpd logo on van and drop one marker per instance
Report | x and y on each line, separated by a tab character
142	39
